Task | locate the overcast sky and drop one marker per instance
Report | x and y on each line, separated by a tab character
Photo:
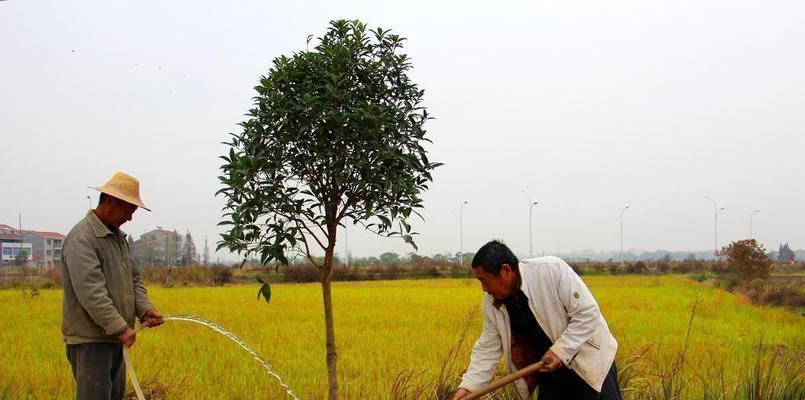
589	106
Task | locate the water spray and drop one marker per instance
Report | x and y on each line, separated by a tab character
217	328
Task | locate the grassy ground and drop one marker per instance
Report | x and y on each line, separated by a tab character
385	328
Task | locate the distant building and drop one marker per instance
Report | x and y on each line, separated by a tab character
159	247
46	247
11	244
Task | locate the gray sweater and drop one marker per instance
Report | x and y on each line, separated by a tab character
103	292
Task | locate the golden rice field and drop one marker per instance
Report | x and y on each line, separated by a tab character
382	328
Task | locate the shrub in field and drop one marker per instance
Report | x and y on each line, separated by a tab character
30	280
701	276
335	135
747	260
599	267
719	267
788	268
614	268
221	275
780	295
191	275
665	266
689	266
638	267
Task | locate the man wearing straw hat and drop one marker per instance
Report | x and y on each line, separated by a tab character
539	310
103	292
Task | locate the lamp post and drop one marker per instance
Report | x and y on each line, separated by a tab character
346	246
89	201
621	221
530	231
750	223
716	210
461	234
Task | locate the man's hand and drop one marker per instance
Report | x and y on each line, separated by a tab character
128	337
153	318
552	362
461	393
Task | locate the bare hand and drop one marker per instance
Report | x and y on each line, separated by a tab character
128	337
153	318
552	362
461	393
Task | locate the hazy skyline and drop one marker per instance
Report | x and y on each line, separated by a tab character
588	107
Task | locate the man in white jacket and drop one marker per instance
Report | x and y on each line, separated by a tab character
539	309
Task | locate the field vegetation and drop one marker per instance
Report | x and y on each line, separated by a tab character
411	339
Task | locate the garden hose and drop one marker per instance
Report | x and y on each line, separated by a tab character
217	329
132	375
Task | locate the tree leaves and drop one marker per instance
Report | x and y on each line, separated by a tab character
335	132
265	291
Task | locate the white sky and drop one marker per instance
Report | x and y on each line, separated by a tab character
590	106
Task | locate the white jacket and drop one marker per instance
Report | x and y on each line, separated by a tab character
567	312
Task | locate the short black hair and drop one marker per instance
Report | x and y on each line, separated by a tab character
106	197
492	256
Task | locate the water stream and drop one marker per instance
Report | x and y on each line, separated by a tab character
231	336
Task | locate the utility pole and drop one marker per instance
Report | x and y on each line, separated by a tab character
167	258
206	252
750	223
530	230
716	210
624	209
346	246
22	242
461	234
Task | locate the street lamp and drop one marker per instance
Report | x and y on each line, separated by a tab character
530	232
716	210
621	221
346	246
750	223
461	234
89	201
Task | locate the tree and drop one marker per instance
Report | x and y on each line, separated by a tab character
785	253
747	260
443	257
466	258
389	257
189	255
335	135
21	258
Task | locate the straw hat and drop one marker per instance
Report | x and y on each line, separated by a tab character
124	187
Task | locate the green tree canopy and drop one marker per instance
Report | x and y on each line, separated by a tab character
389	257
335	135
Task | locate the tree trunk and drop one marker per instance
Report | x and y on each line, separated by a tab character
332	376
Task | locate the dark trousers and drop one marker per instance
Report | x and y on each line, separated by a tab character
98	369
571	387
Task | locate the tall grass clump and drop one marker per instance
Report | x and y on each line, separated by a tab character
768	380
